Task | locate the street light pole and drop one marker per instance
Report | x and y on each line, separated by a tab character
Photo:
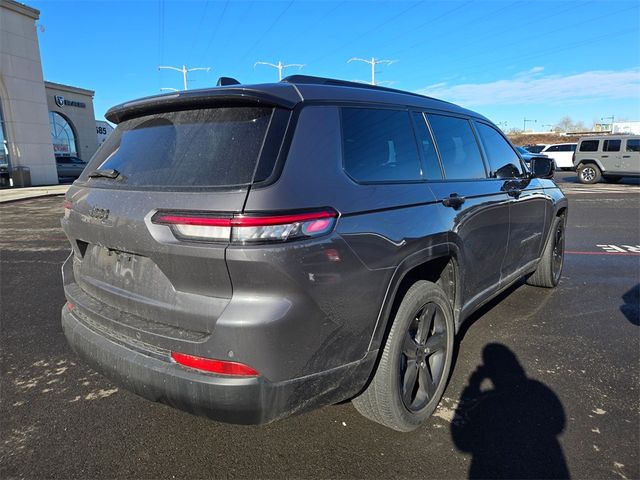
373	62
280	66
184	70
524	123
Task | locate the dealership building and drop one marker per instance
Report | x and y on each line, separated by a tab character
39	120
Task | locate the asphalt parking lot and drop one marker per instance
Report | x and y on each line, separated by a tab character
552	374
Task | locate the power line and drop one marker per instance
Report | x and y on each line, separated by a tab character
184	70
373	62
197	30
280	66
266	32
377	27
215	29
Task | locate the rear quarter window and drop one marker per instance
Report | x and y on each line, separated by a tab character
633	145
206	147
379	145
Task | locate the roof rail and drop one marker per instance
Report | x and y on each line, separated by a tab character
311	80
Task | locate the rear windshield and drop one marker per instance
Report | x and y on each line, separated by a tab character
207	147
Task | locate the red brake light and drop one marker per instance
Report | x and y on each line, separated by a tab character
221	367
248	228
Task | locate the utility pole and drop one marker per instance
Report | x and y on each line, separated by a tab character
280	66
373	62
524	123
184	70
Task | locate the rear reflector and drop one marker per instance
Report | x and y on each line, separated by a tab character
248	228
221	367
67	208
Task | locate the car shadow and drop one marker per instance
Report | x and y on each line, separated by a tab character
508	422
631	306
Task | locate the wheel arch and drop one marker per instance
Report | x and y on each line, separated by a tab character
438	264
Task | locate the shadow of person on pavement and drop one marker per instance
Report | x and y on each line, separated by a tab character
511	428
631	306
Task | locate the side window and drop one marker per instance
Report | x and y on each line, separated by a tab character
553	148
458	148
63	160
633	145
504	162
589	145
379	145
431	163
611	146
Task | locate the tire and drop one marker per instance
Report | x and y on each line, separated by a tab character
611	178
549	269
589	173
419	348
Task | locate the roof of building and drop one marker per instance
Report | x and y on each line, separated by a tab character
20	8
69	88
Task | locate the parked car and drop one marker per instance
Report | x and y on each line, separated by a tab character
562	154
527	155
253	252
607	156
537	148
69	167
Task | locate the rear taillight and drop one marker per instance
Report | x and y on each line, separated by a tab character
248	228
221	367
67	208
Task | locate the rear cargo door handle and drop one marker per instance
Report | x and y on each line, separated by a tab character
454	201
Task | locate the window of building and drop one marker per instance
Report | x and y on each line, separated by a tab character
589	146
379	145
503	160
431	163
458	148
4	155
633	145
64	140
611	146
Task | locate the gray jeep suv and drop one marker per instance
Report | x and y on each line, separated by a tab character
249	252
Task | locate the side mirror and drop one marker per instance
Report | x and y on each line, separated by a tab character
542	167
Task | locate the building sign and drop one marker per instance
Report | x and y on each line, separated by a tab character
61	148
103	130
61	102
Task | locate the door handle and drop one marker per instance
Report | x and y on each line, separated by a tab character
626	156
605	156
454	201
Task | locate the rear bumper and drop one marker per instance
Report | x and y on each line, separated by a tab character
253	400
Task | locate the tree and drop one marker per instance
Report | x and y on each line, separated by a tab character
566	124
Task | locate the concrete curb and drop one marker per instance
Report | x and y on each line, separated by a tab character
18	194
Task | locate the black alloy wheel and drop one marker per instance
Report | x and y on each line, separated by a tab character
423	354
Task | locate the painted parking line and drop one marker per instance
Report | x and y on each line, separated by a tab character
628	254
625	250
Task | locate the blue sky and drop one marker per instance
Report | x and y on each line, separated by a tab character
506	59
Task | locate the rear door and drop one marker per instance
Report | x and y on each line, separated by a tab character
475	207
175	163
611	156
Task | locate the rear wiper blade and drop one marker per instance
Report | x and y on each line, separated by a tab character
106	173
